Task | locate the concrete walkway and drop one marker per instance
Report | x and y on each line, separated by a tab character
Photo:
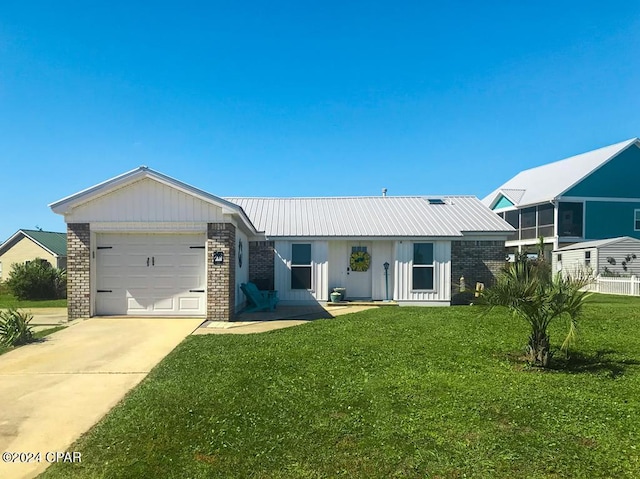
52	392
282	317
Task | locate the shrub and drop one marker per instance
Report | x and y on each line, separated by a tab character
14	328
37	280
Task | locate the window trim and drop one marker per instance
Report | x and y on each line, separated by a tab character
636	220
432	266
295	265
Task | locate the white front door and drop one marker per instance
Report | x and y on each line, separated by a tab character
358	282
150	274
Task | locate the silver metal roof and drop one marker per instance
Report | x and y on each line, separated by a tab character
598	243
547	182
381	216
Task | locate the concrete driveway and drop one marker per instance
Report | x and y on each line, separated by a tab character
52	392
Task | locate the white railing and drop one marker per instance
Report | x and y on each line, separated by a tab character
608	285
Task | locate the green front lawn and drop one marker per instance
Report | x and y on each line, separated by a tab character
392	392
9	301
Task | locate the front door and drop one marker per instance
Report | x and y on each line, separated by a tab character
359	271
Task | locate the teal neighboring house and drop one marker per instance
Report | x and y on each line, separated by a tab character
591	196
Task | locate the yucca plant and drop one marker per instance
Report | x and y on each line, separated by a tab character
539	300
14	327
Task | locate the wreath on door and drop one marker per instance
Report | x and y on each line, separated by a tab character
360	261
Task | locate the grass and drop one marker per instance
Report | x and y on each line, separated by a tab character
37	336
393	392
7	300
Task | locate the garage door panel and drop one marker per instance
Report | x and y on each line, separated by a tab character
190	259
111	305
190	303
164	304
190	282
139	304
160	288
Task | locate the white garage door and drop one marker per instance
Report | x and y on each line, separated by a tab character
150	274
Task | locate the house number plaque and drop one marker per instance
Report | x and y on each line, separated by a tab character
218	257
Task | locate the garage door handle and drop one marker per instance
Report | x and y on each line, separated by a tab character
147	262
196	290
104	291
153	261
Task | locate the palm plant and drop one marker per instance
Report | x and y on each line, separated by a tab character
539	300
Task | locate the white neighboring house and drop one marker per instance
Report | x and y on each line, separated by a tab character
614	255
144	243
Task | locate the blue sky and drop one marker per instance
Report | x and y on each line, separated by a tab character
306	98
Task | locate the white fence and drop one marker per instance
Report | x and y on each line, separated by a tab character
626	286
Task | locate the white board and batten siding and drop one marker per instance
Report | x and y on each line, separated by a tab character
319	273
145	202
403	291
382	252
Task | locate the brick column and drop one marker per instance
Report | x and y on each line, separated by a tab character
221	279
78	271
261	262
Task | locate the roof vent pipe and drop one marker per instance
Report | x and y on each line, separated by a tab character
384	192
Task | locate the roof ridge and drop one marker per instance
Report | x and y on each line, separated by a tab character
42	231
620	144
343	197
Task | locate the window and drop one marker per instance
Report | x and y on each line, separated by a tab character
636	217
587	258
423	266
570	218
559	257
528	223
545	220
301	266
545	215
513	218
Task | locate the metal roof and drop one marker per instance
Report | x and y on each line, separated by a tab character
547	182
598	243
381	216
54	242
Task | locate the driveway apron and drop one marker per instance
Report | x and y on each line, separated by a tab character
53	391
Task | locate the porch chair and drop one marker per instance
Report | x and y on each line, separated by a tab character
258	300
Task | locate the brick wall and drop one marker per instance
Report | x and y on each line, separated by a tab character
221	279
477	261
261	264
78	271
